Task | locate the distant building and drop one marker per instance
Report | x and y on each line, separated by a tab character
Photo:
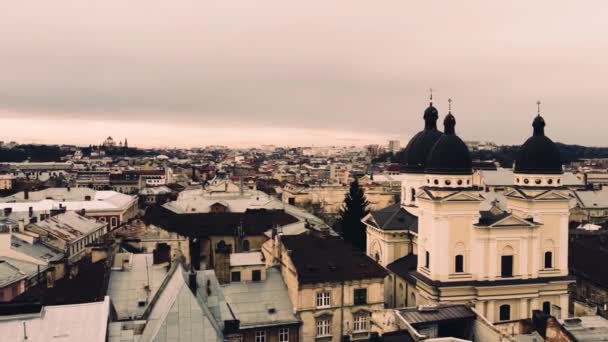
394	146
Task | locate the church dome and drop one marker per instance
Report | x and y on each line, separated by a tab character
449	155
417	150
539	154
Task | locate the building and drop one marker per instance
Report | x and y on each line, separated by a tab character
393	146
106	206
6	182
70	233
507	259
336	290
329	198
262	307
70	323
98	180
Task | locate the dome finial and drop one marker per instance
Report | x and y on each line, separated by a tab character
431	95
449	123
539	123
430	115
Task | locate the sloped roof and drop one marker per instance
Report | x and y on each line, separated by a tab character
394	217
329	259
261	303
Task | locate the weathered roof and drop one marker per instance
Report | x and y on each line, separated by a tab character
177	315
246	259
9	274
137	282
65	323
329	259
68	226
441	313
261	303
591	199
587	328
394	217
404	265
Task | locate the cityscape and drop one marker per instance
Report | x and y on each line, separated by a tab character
258	173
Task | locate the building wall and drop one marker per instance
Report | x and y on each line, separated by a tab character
272	333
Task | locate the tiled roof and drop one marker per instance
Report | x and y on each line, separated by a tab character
329	259
442	313
395	217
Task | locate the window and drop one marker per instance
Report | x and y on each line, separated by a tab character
323	327
360	296
246	246
505	312
323	299
114	222
235	277
459	264
361	323
284	335
548	260
427	259
413	195
547	308
506	266
291	201
260	336
256	275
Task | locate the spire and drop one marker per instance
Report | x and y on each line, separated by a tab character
449	123
539	123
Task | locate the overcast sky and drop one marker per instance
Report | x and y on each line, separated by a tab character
192	73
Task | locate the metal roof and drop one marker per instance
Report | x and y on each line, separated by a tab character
441	313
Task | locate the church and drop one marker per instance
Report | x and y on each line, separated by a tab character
450	242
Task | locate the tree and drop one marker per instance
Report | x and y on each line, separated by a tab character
351	213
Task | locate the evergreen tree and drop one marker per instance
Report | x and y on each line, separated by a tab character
351	213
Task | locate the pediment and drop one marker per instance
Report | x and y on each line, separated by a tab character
552	195
511	221
463	197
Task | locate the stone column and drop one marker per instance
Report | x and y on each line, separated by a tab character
490	308
523	308
493	260
563	303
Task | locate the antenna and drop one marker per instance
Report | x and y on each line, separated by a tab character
24	331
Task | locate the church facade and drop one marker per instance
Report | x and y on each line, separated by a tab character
453	245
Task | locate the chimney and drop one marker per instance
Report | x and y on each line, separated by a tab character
7	211
69	189
26	194
30	211
192	281
83	212
21	226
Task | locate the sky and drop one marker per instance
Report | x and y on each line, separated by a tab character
240	73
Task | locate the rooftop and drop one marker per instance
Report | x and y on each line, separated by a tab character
436	314
134	281
246	259
261	303
65	323
329	259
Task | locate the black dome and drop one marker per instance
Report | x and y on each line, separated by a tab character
417	150
450	155
539	154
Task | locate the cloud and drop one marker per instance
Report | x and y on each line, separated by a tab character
354	66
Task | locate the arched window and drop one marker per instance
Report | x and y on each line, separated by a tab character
413	194
505	312
547	308
427	260
246	246
548	260
459	263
